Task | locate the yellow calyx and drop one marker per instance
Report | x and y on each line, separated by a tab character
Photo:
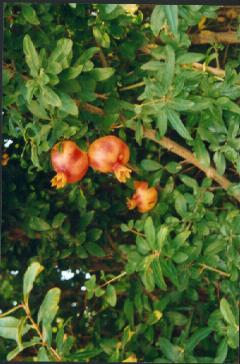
122	173
59	181
131	203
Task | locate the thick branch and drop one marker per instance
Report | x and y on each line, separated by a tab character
177	149
189	157
208	37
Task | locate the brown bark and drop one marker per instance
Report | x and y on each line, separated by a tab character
208	37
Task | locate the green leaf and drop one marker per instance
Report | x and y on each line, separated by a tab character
68	105
86	55
58	220
102	38
31	55
102	74
54	68
148	279
94	234
72	72
190	182
201	153
171	12
30	14
177	318
42	355
157	19
12	354
169	270
62	50
180	204
162	122
222	351
168	75
177	124
95	250
196	338
139	132
128	310
169	350
29	278
180	257
215	247
149	231
8	327
111	295
49	306
109	8
38	224
50	97
190	57
179	104
157	272
162	237
220	162
85	354
173	167
37	110
227	312
142	245
150	165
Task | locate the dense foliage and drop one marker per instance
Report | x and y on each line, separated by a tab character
119	285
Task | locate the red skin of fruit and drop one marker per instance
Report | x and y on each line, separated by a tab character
144	199
109	154
69	160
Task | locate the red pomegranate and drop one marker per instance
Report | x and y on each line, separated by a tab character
110	154
144	199
70	163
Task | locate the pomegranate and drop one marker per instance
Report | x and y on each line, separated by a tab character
110	154
70	163
144	198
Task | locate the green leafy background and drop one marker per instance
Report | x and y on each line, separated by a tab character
160	287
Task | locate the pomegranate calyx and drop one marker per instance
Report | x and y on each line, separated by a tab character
122	173
131	203
59	181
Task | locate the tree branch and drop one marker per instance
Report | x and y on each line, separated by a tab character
208	37
177	149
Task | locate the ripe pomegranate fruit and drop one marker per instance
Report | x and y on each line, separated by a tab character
70	163
144	199
110	154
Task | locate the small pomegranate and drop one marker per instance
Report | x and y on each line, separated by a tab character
110	154
70	163
144	198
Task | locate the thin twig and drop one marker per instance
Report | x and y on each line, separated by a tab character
205	266
37	329
11	310
113	279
